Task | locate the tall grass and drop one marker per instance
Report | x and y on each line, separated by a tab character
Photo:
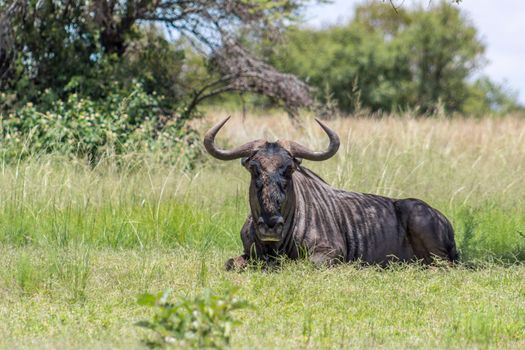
79	241
470	169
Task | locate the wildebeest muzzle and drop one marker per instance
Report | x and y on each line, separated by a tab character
270	230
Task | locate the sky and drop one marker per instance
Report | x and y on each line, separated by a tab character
500	24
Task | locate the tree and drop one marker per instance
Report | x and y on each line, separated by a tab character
444	51
386	59
80	45
486	96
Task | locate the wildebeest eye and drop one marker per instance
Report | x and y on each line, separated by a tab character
287	172
254	168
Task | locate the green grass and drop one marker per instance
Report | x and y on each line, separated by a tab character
298	306
78	244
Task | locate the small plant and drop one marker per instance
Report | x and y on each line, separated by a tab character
204	321
469	231
72	271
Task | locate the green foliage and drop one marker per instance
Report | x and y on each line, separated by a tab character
87	128
70	70
84	47
70	91
203	322
417	58
486	96
61	50
54	45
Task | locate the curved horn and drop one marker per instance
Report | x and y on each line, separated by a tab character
241	151
300	151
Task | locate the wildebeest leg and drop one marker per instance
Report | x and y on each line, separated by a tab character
322	256
236	263
250	251
323	260
429	232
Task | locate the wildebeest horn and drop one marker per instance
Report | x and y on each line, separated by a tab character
241	151
300	151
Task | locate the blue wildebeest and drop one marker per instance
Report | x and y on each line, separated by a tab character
293	210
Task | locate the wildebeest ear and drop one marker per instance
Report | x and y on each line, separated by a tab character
298	161
244	160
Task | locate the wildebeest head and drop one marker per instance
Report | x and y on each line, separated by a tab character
271	165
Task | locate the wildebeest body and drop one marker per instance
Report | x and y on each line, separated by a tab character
334	225
293	211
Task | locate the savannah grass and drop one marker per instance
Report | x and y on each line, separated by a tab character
79	242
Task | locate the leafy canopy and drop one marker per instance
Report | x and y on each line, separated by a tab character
384	59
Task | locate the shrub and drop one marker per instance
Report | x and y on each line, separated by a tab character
85	128
204	321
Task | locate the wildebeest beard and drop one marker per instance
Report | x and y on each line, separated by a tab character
272	197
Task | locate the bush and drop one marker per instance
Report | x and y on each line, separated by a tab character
204	321
84	128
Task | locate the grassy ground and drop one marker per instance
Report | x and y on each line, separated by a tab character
78	244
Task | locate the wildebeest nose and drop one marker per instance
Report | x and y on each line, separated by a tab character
275	221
